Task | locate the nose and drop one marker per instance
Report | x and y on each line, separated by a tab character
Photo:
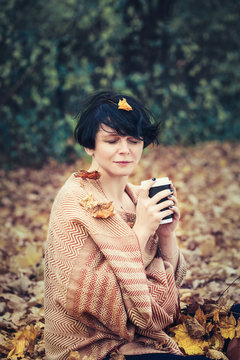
124	147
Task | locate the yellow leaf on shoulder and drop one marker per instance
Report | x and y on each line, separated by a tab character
97	209
103	210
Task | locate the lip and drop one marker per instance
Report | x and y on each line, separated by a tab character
123	162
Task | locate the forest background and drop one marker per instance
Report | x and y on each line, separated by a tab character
182	60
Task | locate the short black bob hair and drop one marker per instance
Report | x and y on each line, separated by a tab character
102	108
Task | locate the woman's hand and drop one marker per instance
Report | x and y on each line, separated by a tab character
148	214
166	230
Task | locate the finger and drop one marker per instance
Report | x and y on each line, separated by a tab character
174	189
164	205
173	198
160	195
164	213
176	212
146	186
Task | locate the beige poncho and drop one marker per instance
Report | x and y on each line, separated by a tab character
100	293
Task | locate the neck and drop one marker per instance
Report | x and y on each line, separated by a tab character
113	186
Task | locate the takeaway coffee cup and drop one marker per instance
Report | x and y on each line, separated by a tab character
159	185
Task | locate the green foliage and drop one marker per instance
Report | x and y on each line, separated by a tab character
181	58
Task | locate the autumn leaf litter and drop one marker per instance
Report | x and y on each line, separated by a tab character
207	179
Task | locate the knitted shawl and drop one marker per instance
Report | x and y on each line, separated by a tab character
100	293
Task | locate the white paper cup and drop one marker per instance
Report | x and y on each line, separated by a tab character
159	185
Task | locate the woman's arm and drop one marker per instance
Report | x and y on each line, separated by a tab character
169	250
148	214
148	217
166	234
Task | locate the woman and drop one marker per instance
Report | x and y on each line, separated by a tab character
112	270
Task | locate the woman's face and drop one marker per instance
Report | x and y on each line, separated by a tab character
114	154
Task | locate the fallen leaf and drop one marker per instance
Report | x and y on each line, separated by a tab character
116	356
217	341
216	315
238	329
24	341
190	345
74	355
5	344
207	246
6	324
195	329
209	327
14	302
227	327
30	256
200	317
216	355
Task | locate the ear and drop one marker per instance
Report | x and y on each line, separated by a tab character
90	152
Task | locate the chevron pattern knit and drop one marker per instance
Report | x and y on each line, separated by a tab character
99	293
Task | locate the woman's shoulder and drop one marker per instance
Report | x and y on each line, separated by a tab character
72	188
72	185
68	198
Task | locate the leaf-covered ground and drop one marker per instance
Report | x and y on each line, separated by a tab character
207	178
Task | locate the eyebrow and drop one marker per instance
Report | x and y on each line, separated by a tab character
110	134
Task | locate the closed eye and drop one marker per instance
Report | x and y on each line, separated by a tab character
130	140
111	141
134	141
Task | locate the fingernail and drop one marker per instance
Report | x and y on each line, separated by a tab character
171	190
153	179
170	196
170	207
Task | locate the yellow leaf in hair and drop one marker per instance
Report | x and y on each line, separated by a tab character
123	105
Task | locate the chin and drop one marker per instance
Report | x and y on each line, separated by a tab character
121	173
